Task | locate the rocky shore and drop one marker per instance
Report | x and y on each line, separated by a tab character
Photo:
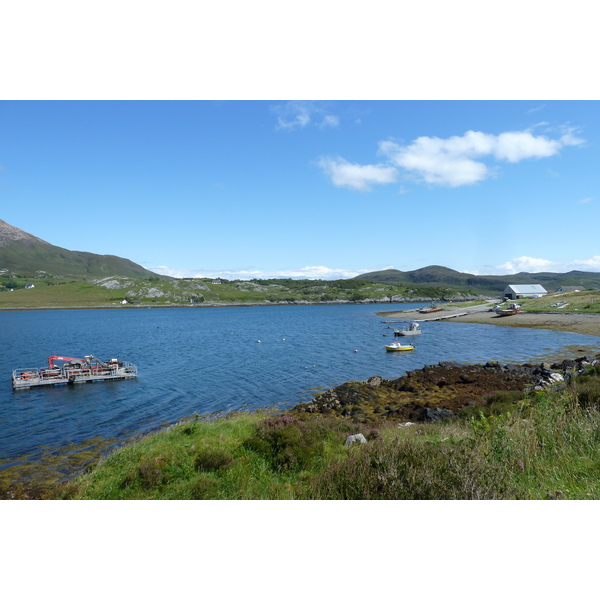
440	391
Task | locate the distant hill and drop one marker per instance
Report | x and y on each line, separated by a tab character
24	254
436	275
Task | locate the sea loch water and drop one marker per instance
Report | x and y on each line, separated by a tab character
207	360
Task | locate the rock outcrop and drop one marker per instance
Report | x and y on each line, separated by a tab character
438	391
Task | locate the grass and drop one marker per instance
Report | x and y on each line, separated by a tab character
577	302
537	446
53	292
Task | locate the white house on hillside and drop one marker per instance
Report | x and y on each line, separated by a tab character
512	292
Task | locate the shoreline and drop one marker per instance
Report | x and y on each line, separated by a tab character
583	323
208	305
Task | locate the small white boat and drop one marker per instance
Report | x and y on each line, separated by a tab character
413	329
398	347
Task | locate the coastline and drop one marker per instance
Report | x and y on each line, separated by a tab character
220	304
584	323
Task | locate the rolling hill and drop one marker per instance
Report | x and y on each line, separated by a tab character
25	255
436	275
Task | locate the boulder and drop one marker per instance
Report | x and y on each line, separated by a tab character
356	438
374	381
429	415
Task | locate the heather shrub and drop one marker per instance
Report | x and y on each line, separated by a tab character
405	470
212	459
293	444
203	488
151	473
588	393
287	442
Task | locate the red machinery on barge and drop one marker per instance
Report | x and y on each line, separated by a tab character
73	370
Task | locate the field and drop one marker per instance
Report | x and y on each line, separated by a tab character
585	302
115	292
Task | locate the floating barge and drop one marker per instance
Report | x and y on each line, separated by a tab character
73	370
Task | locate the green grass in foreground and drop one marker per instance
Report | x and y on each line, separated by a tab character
545	447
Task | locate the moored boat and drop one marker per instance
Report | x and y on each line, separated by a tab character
413	329
73	370
398	347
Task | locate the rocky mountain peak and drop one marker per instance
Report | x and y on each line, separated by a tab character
10	235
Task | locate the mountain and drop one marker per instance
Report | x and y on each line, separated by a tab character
436	275
24	254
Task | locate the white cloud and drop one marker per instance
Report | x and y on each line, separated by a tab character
330	121
588	264
298	118
358	177
514	146
453	161
528	264
441	162
586	200
297	115
316	272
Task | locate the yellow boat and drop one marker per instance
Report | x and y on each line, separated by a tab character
397	347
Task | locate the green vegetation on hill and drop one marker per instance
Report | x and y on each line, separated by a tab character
491	285
570	302
527	446
52	292
25	255
66	278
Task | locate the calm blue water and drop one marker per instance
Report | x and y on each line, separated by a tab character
206	360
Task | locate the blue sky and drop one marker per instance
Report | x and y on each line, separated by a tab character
324	189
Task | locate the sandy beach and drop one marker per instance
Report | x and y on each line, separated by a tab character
585	323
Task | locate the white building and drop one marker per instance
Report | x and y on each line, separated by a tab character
513	292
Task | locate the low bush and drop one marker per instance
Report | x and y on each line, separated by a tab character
212	459
407	470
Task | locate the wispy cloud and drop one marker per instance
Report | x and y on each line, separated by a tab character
585	200
528	264
314	272
299	114
450	162
358	177
535	109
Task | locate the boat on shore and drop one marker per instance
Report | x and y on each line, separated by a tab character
513	309
431	309
398	347
73	370
412	329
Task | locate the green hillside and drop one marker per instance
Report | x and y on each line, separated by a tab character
52	292
26	255
482	284
68	278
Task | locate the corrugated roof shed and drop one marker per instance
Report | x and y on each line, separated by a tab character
527	289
